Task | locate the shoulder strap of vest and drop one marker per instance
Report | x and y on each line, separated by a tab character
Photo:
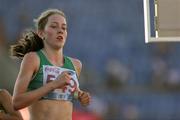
68	63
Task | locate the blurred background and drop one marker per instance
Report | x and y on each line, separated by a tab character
128	79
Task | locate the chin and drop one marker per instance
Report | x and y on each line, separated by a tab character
59	47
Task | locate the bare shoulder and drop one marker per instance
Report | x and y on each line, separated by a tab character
31	56
3	92
31	59
77	64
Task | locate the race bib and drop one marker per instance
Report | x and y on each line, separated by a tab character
50	73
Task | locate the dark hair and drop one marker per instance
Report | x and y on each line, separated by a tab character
30	40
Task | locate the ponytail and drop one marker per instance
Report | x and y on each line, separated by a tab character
28	43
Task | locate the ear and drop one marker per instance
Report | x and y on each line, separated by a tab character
40	33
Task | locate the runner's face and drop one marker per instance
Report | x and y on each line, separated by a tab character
55	31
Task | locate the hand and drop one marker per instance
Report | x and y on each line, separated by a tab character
84	98
62	80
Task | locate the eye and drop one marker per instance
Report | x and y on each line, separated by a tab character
53	26
64	28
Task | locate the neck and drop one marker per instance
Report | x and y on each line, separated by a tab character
55	56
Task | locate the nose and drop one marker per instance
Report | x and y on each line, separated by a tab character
60	31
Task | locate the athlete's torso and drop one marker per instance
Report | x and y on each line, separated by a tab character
56	105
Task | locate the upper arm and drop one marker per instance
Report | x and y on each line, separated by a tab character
77	65
29	66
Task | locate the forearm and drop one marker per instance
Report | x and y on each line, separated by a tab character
27	98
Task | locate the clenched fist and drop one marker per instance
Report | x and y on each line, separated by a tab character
84	98
63	79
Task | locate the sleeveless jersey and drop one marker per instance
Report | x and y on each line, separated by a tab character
48	72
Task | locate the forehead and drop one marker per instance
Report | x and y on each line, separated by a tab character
56	18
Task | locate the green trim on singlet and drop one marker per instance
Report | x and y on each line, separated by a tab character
37	80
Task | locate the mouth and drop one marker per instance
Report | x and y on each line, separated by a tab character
60	38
